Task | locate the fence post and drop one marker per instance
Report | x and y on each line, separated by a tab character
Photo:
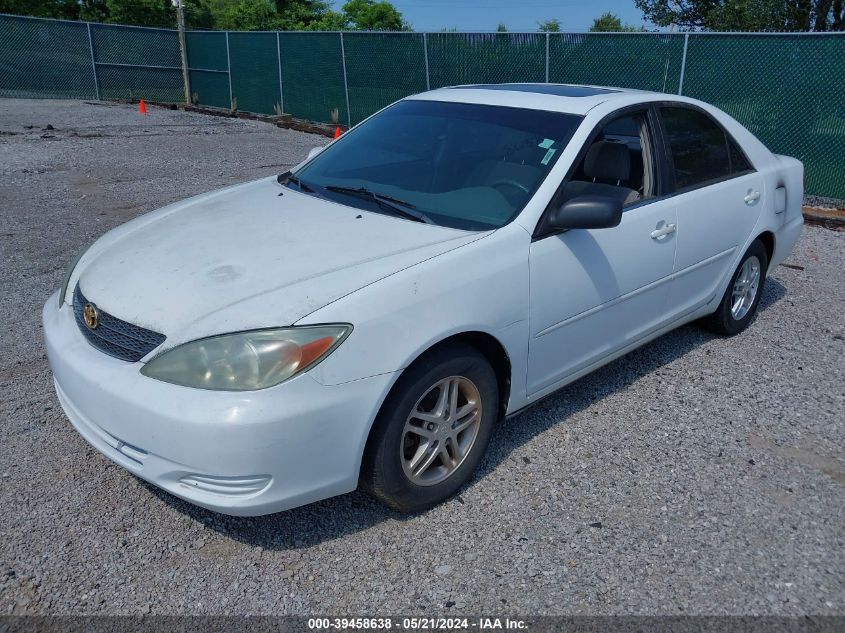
683	65
229	70
183	50
425	51
345	84
93	62
279	55
547	57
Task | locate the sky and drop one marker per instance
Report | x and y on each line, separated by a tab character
517	15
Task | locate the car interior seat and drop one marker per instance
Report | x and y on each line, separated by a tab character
607	166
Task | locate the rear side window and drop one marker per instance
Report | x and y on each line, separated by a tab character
739	163
701	152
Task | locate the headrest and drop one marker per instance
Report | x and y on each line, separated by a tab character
606	160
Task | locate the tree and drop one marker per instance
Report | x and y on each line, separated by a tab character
198	14
93	11
549	26
303	15
370	15
63	9
247	15
609	22
137	12
329	21
141	12
747	15
501	28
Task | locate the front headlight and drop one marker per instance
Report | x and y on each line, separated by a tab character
69	272
246	361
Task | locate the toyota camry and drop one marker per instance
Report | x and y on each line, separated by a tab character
368	317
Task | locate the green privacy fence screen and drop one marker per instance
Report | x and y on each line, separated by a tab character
627	60
312	75
789	89
209	68
79	60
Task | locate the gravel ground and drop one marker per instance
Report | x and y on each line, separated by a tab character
696	475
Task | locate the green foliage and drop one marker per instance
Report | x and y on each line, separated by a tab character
501	28
609	22
305	15
63	9
549	26
246	15
137	12
141	12
370	15
747	15
198	14
328	21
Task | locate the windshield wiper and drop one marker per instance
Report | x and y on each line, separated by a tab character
399	207
288	177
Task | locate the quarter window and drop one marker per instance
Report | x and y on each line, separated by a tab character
701	151
739	163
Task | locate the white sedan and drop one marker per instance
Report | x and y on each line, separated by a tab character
369	317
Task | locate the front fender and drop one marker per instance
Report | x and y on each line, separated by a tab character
481	287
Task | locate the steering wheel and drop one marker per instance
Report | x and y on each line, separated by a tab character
507	182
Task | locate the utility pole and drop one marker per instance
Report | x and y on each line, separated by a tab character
183	50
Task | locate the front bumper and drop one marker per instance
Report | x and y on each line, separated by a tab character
239	453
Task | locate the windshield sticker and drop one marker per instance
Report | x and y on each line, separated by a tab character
547	143
548	156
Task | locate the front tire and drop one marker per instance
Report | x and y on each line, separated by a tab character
432	430
740	301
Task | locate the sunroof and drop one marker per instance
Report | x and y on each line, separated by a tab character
559	90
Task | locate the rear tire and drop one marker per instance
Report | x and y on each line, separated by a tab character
433	429
740	301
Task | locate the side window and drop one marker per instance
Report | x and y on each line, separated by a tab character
700	150
619	163
739	163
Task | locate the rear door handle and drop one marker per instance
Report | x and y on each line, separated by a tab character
751	197
665	230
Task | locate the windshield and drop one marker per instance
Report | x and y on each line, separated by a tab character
460	165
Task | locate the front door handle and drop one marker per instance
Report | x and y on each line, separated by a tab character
662	231
751	197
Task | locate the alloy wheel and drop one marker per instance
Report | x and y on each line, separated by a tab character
441	430
745	288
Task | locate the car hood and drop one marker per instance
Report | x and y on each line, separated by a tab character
247	257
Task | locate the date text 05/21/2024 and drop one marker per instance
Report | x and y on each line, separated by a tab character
417	624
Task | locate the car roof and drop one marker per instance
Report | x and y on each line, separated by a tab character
560	90
570	98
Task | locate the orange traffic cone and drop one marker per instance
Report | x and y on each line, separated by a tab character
142	108
337	132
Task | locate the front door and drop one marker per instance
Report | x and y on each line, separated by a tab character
594	291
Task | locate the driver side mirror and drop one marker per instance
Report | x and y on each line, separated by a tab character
313	152
587	212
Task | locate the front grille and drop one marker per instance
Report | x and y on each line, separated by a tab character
113	336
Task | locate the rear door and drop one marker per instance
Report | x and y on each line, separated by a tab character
718	199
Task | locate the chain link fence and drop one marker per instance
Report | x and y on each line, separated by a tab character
79	60
789	89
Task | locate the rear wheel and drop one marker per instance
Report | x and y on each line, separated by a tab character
433	429
740	301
